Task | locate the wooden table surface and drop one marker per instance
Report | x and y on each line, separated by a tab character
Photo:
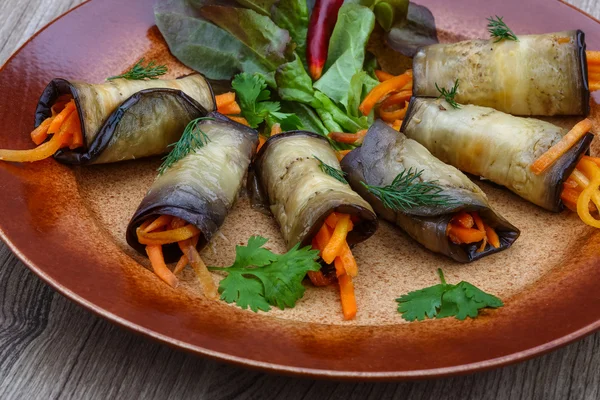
52	348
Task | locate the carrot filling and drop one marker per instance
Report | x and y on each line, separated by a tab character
593	64
165	229
581	190
227	105
62	129
331	242
468	227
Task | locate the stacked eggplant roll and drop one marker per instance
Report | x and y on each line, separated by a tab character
300	180
193	193
497	146
532	75
432	202
82	123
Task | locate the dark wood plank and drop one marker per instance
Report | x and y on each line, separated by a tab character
52	348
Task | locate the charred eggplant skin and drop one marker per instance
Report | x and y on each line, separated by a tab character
148	132
300	195
494	145
505	75
202	187
384	154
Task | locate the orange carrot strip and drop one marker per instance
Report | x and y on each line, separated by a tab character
563	40
43	151
394	84
157	260
318	279
397	124
569	198
323	237
396	99
594	86
231	108
459	235
240	120
166	237
342	137
159	222
181	264
204	276
275	129
492	237
571	183
332	220
348	260
224	99
261	142
560	148
594	75
338	238
392	116
463	219
478	221
339	267
593	159
341	154
593	57
347	296
61	117
382	75
40	134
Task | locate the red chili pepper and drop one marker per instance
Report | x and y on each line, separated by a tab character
322	21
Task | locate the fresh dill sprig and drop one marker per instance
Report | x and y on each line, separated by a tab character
193	138
499	30
333	172
406	192
139	72
449	94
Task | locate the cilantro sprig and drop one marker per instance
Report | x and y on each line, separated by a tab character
406	192
333	172
449	95
192	138
139	72
259	278
254	102
445	300
499	30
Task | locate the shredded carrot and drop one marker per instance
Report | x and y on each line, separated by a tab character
384	88
231	108
224	99
492	236
40	134
338	238
396	99
181	264
463	219
595	160
347	297
332	220
157	260
593	57
171	236
459	235
393	115
160	222
478	221
382	75
261	142
340	154
397	124
322	238
560	148
275	129
594	86
348	260
41	152
590	194
240	120
563	40
204	276
61	117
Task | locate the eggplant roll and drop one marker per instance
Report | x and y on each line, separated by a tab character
495	146
536	75
202	187
385	153
128	119
301	195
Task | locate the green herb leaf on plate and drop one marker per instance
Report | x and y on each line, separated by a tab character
445	300
449	94
139	72
259	278
331	171
192	138
499	30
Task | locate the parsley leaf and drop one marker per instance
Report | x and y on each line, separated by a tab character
259	278
444	300
253	98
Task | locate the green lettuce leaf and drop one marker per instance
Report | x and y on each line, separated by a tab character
309	118
258	32
260	6
203	46
323	104
360	85
293	83
346	53
292	15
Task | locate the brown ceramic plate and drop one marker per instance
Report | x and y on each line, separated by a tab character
67	224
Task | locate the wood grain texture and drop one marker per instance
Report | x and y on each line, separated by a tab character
52	348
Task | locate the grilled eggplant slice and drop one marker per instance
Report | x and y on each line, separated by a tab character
202	187
127	119
495	146
536	75
386	153
301	195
